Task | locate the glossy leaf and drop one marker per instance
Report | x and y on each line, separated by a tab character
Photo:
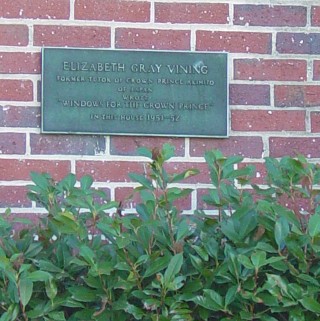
281	231
87	254
157	265
173	268
143	151
57	316
86	182
25	291
258	259
314	225
48	266
146	183
215	297
186	174
245	261
310	304
183	230
41	276
41	180
231	294
82	295
51	289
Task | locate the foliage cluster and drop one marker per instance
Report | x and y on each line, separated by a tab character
258	259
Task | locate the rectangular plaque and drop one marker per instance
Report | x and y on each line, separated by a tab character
120	92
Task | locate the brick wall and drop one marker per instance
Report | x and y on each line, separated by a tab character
274	74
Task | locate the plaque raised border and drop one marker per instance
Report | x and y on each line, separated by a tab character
130	92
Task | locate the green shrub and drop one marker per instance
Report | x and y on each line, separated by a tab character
258	259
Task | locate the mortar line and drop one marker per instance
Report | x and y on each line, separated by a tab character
187	148
28	145
231	14
73	166
193	39
30	32
112	37
308	122
152	11
72	4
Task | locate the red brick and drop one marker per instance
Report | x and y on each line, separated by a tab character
249	42
12	116
177	167
12	143
243	94
33	217
270	69
246	146
298	205
13	169
14	196
298	43
113	10
152	39
66	144
129	200
108	171
316	70
260	172
315	122
20	62
315	16
266	15
183	204
292	146
37	9
125	145
16	90
118	171
72	36
267	120
297	96
213	13
14	35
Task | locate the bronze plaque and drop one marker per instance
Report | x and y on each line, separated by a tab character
120	92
